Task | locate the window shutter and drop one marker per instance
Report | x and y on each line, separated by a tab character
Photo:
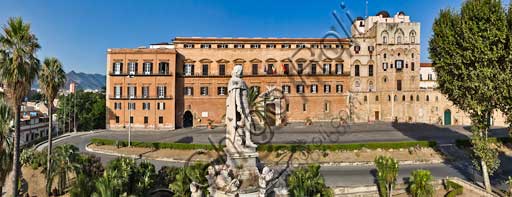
192	69
135	91
165	91
136	67
121	66
151	67
120	91
113	67
163	105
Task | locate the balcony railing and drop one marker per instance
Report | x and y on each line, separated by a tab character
140	74
126	97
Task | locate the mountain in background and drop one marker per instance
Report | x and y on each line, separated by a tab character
85	81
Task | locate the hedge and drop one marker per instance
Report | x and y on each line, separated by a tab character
454	189
274	147
467	143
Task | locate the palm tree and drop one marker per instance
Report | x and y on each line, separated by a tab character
5	142
307	181
51	79
108	185
66	159
387	171
18	68
421	185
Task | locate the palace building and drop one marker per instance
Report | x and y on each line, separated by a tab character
374	76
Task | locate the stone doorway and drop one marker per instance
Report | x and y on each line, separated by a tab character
188	119
377	115
447	117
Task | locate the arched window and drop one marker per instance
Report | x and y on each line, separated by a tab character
384	39
356	70
399	39
389	97
427	98
417	97
412	36
403	98
370	86
396	98
412	98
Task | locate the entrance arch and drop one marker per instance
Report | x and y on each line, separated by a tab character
188	119
447	117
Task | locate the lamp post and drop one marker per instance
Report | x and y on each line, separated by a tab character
130	114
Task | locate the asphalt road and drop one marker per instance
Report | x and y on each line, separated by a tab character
334	175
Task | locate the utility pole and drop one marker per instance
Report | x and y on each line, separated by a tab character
74	113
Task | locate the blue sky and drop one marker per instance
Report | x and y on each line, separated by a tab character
79	32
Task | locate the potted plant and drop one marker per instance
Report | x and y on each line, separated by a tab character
210	124
308	121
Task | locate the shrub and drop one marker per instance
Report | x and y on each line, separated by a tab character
160	145
453	188
91	165
133	179
307	181
387	171
186	175
166	175
421	184
346	147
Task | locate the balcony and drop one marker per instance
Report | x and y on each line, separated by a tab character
139	74
126	97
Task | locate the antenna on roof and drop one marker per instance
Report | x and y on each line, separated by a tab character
366	10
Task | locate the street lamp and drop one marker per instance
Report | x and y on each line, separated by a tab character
130	113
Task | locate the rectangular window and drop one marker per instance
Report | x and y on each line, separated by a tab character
117	91
327	46
412	66
189	91
163	68
239	46
189	46
314	46
271	69
146	120
370	70
300	89
160	106
189	69
326	69
254	69
205	69
160	120
304	107
118	68
285	46
221	91
384	66
399	85
300	68
356	70
339	69
117	119
300	46
132	68
327	89
430	77
131	119
271	46
286	69
132	91
255	46
222	46
131	106
313	69
206	46
148	68
326	107
399	64
204	91
314	88
161	91
222	69
339	88
117	106
145	91
146	106
286	89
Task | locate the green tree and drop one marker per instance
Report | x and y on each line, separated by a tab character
66	161
6	149
90	110
108	185
307	181
83	186
468	50
421	184
387	171
18	68
51	79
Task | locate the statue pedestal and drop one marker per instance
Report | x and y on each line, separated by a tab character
244	166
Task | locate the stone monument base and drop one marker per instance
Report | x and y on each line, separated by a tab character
244	166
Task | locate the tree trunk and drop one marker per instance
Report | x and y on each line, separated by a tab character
485	175
390	190
16	158
49	148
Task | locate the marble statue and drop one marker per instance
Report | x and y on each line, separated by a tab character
195	190
238	118
265	176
